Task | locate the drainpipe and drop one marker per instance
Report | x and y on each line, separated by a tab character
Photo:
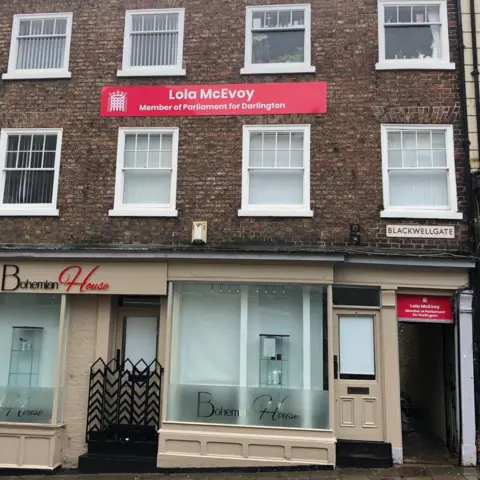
472	244
473	185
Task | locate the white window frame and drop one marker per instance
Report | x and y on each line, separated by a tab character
269	68
248	210
442	63
18	74
451	211
144	210
151	71
30	209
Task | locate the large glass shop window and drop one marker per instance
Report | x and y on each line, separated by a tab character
249	355
29	326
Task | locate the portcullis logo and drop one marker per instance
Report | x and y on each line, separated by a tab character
117	102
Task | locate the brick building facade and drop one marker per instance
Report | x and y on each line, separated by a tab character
313	256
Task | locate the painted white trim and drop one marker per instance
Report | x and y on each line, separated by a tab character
442	63
438	214
397	455
18	74
467	398
151	72
30	209
169	70
122	210
274	213
152	212
307	360
413	64
268	68
451	212
302	210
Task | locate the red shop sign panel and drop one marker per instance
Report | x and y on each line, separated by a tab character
213	100
421	308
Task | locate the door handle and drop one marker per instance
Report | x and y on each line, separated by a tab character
335	367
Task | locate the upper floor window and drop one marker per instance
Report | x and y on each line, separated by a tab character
153	42
30	164
146	180
276	171
277	39
40	46
419	172
413	35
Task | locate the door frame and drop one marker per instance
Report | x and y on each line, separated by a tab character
378	381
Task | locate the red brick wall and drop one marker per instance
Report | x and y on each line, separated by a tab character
346	163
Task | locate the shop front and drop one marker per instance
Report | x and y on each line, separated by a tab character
186	363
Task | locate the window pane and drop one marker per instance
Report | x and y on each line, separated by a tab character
296	158
271	19
256	141
409	140
141	159
49	27
395	158
207	370
356	296
297	141
439	158
276	187
283	141
391	15
130	142
25	142
412	42
41	53
11	159
357	345
268	158
13	141
146	187
155	41
49	160
418	14
153	159
36	160
24	28
29	325
255	158
283	158
298	17
438	140
154	143
60	26
142	142
424	140
424	158
51	143
166	159
410	158
405	14
269	141
426	188
28	186
394	140
278	47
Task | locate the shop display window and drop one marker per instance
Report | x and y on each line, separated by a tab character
29	329
249	355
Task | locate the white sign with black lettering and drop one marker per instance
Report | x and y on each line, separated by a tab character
421	231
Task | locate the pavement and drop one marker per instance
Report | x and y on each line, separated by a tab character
404	472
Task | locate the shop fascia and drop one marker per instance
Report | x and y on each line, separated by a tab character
71	279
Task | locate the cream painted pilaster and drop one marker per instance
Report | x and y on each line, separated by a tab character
391	374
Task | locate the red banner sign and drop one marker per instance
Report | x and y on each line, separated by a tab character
421	308
198	100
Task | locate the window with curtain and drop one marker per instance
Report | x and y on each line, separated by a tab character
278	39
276	170
29	327
146	171
30	169
153	42
40	46
419	170
249	355
413	34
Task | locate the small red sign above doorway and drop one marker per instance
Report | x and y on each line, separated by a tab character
422	308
